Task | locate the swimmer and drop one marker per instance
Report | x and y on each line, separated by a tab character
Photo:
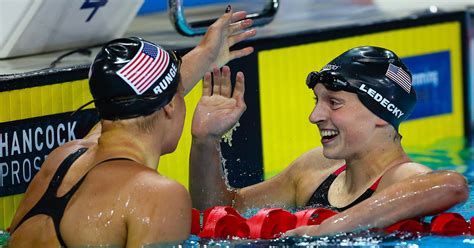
361	170
104	190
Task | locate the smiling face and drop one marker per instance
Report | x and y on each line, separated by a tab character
346	126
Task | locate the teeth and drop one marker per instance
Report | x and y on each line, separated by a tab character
325	133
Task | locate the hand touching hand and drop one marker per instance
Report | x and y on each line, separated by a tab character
218	110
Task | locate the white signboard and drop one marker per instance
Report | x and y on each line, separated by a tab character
35	26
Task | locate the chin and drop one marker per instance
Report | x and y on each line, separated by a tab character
331	153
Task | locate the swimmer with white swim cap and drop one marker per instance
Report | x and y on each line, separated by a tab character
361	170
105	189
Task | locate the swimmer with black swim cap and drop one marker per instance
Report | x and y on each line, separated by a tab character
380	79
132	77
361	169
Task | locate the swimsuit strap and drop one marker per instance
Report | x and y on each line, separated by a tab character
51	205
54	206
320	195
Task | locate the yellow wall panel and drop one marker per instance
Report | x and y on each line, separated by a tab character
43	100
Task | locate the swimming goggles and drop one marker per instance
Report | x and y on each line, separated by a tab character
330	80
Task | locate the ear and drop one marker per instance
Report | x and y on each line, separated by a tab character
169	109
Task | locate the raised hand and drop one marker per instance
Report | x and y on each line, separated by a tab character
223	34
218	109
214	49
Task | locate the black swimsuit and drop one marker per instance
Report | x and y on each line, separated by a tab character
54	206
320	195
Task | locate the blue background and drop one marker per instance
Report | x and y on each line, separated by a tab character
432	99
150	6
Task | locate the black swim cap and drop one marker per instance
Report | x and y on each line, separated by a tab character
378	77
131	77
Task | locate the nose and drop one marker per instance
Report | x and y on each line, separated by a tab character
318	115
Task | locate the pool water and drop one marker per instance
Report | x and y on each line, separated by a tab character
449	155
359	239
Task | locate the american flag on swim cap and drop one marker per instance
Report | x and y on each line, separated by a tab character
400	77
145	68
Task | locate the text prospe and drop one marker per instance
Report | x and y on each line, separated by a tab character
382	101
23	151
18	172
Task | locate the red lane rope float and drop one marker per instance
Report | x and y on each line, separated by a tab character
269	223
195	221
472	226
223	222
313	216
449	224
410	225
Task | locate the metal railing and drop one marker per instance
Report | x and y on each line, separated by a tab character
178	18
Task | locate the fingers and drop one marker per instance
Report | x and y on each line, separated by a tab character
240	25
231	17
242	36
206	84
227	18
235	21
303	230
296	232
226	87
289	233
239	88
216	78
241	53
237	16
222	84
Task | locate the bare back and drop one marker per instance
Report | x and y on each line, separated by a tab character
119	203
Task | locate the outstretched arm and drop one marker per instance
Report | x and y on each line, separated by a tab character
214	48
414	197
216	112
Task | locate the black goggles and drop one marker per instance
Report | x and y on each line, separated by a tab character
330	80
176	57
138	98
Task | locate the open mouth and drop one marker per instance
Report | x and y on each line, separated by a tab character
328	135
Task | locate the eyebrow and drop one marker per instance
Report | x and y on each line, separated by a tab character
331	94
